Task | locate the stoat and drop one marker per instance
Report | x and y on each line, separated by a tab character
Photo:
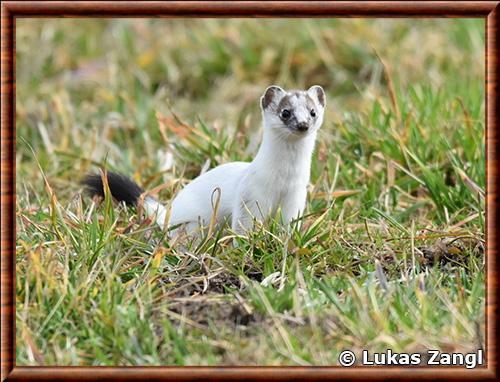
276	178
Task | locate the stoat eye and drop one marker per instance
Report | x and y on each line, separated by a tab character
313	113
285	114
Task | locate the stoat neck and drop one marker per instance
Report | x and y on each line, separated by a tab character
283	158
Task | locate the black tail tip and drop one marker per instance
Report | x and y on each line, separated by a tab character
122	188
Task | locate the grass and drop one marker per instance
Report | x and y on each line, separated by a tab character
390	253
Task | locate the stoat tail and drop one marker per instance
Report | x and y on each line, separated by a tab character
126	190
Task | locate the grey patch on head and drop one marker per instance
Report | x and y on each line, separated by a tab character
270	96
292	99
286	103
310	103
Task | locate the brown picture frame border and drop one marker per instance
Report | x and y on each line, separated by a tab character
10	10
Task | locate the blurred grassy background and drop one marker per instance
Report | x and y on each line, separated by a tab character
399	173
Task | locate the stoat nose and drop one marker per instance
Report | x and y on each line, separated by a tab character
302	126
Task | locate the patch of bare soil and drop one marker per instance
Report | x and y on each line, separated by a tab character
211	299
212	309
450	251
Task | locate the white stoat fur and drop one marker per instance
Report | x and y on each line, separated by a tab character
277	177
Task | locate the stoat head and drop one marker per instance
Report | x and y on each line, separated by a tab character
293	114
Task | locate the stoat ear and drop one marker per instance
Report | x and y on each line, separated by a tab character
318	93
273	94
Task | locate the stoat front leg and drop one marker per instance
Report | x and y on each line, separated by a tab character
293	205
243	216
